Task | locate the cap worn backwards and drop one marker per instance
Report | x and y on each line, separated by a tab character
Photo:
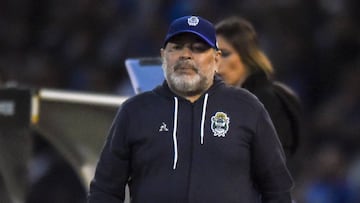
193	24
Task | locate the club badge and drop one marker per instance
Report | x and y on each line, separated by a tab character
193	21
220	124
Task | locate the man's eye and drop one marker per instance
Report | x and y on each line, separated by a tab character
199	48
177	47
225	53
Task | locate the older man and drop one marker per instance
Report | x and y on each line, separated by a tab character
193	139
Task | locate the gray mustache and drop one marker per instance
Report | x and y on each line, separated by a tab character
183	65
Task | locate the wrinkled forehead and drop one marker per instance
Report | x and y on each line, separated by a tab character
184	38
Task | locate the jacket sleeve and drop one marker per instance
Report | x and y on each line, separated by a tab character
112	171
271	175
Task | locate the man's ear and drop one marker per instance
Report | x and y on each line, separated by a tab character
217	59
162	52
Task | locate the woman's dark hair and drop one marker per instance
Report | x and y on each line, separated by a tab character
242	36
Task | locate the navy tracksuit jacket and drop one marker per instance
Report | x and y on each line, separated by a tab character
220	149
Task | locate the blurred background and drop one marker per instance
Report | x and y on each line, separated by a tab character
81	45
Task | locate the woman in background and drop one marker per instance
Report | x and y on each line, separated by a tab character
244	64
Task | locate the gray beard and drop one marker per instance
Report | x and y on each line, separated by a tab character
183	84
185	87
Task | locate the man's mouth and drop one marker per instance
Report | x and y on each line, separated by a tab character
185	68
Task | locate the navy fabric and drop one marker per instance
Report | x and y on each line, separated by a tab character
193	24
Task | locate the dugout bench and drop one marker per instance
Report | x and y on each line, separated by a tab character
74	123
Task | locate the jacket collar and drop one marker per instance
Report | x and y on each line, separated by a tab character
255	80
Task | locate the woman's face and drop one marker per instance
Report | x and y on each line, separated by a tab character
231	68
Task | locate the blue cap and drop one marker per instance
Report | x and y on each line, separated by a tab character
193	24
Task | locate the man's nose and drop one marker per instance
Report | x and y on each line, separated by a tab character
186	53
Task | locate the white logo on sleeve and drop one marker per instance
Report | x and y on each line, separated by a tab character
163	127
220	124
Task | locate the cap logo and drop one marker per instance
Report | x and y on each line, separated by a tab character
193	21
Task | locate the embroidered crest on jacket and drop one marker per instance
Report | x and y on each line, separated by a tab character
220	124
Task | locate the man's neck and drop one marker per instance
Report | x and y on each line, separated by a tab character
192	99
